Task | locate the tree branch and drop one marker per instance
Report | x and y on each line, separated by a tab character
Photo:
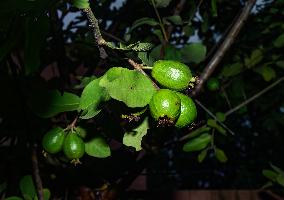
36	175
224	47
94	24
254	96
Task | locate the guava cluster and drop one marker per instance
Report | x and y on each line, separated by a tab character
58	139
169	106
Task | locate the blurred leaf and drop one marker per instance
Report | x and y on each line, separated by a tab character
172	53
194	52
202	155
267	73
46	194
81	4
269	174
134	137
36	30
255	57
162	3
92	95
280	64
143	21
85	80
221	116
214	8
279	41
213	123
232	70
97	147
220	155
199	131
13	198
3	187
27	186
198	143
188	30
277	169
48	103
175	19
128	86
280	180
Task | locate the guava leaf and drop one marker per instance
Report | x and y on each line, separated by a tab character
280	180
198	143
134	138
220	155
97	147
27	186
13	198
269	174
202	155
255	57
92	95
175	19
48	103
194	52
142	21
162	3
232	70
279	41
128	86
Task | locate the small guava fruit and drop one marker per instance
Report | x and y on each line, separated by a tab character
52	141
213	84
165	107
172	74
73	146
188	111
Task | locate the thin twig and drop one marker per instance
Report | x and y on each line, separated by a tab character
94	24
213	116
138	67
36	174
160	22
224	47
254	97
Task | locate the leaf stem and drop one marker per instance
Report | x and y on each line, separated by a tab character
160	21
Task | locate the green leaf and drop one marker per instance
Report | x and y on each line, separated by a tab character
172	53
267	73
128	86
92	95
27	186
85	80
220	155
280	180
198	143
142	46
143	21
146	60
232	70
3	187
269	174
81	4
213	123
36	30
255	58
48	103
279	41
202	155
162	3
199	131
97	147
194	52
46	194
175	19
13	198
221	116
134	138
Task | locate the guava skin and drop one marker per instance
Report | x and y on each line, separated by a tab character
73	147
213	84
171	74
188	111
53	140
165	106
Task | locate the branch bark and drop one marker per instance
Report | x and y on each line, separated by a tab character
36	174
94	24
224	47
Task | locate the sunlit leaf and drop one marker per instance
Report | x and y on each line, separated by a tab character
97	147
